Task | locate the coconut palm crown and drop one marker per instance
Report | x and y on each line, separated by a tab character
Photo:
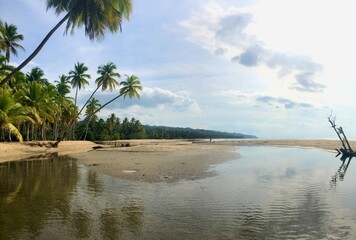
9	39
79	78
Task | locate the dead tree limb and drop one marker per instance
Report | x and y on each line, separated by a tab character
333	125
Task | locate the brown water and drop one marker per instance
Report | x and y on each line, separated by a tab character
269	193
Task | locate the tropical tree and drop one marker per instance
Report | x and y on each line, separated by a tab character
79	78
91	108
63	86
129	88
12	113
113	127
105	81
96	16
17	81
9	39
36	75
5	69
35	95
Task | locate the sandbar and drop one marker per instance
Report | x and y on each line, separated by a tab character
156	160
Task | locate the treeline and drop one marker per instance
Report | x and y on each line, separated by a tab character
110	129
160	132
114	129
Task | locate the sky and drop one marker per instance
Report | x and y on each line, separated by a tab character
272	68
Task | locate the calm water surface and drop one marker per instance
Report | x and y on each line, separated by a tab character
269	193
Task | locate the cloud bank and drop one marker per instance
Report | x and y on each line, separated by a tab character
223	32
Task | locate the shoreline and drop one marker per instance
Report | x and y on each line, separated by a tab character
156	160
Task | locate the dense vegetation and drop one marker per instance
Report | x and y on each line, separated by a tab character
111	129
33	108
160	132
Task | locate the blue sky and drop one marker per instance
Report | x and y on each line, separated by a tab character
272	68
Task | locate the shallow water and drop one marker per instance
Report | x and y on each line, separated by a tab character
269	193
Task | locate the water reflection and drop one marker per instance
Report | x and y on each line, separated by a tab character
57	198
341	172
29	191
270	193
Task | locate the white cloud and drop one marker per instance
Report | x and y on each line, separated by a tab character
224	32
150	98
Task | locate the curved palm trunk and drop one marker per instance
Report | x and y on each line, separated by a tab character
106	104
91	96
37	50
91	115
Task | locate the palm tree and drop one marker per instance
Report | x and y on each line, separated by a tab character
36	75
91	108
63	86
79	78
130	89
97	16
5	69
9	39
36	97
12	113
106	80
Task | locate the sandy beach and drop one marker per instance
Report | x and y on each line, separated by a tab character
155	160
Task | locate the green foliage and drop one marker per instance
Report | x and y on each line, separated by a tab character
160	132
112	129
97	16
9	39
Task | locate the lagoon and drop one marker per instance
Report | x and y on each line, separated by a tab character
268	193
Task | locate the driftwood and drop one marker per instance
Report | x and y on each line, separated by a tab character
346	149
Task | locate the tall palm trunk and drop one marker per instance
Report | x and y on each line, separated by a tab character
28	131
37	50
75	116
86	129
43	130
55	128
86	103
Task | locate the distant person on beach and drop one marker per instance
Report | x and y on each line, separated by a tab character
210	140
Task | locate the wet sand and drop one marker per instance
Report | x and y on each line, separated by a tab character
156	160
18	151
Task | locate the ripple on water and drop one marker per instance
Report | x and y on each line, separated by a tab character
269	193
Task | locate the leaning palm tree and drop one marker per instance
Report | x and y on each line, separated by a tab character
105	81
97	16
79	78
9	39
129	89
